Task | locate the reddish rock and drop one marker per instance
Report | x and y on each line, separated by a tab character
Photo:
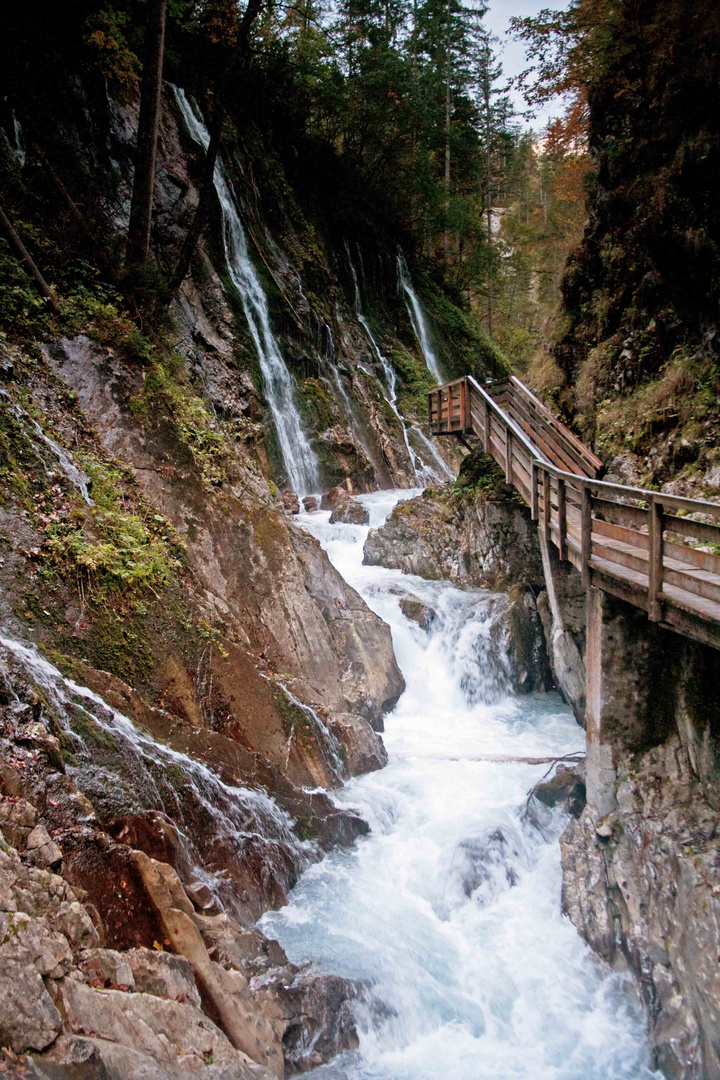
310	504
291	502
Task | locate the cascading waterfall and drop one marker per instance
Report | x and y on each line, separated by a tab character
422	472
417	318
70	470
238	822
280	388
449	911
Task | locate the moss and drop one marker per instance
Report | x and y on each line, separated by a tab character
481	477
167	392
317	405
292	716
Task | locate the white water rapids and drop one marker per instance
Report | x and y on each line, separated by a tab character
450	909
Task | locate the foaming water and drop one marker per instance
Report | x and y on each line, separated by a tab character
450	909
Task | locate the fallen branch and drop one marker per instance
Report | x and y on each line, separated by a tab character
28	262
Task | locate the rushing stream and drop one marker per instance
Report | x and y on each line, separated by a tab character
449	910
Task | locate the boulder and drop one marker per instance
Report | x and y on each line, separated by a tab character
291	502
566	788
310	504
418	612
350	512
332	497
363	748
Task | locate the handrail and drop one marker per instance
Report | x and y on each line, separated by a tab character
618	545
557	425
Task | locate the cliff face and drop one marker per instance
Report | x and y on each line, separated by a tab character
637	342
641	864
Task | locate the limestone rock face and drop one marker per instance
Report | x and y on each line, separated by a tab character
642	887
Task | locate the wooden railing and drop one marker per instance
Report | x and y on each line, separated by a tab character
636	544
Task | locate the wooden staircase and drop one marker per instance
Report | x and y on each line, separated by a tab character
645	547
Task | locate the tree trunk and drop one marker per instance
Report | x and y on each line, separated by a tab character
447	142
138	241
26	259
98	253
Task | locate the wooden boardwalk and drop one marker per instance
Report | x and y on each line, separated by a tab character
659	552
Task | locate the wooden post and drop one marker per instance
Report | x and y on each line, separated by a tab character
546	504
487	445
586	535
464	406
655	553
562	520
534	490
508	456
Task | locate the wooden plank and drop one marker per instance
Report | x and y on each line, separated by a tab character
695	530
705	560
508	456
594	462
698	582
620	554
538	430
619	532
632	517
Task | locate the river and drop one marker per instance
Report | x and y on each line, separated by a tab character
449	911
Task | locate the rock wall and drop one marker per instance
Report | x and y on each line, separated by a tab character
157	985
641	865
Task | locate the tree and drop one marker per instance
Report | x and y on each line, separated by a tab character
141	207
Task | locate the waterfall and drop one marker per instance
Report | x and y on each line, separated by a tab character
223	828
280	387
17	146
422	472
449	910
417	318
70	470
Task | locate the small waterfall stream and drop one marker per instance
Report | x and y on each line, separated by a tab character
224	829
449	910
417	318
423	473
280	388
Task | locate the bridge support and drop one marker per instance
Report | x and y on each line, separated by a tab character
643	684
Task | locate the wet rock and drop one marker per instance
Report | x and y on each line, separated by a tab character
41	850
163	974
28	1018
363	748
641	887
333	496
152	832
201	896
248	951
316	1017
418	612
566	788
310	504
350	512
291	502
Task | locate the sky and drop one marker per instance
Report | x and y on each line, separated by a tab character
512	53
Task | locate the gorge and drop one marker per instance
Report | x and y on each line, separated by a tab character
351	724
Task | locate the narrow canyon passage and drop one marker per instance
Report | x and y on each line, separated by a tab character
449	911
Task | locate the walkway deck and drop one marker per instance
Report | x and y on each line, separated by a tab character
659	552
